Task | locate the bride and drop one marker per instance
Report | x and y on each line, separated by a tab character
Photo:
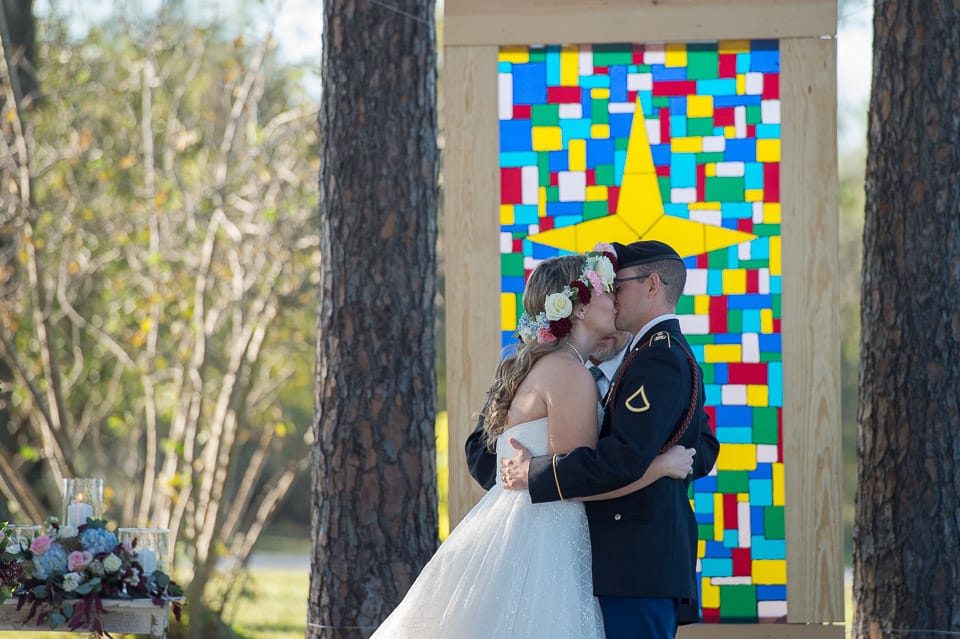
512	568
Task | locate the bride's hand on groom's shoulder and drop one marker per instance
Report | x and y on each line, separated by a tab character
514	470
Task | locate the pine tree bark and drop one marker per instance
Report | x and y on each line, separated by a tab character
907	533
374	503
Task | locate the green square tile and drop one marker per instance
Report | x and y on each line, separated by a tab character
765	425
553	194
620	144
613	56
754	114
773	526
738	602
708	373
699	340
699	127
705	531
775	303
664	188
599	111
718	259
685	305
731	482
702	64
734	321
661	102
766	230
593	210
543	168
511	264
711	157
768	356
724	189
545	114
603	174
538	55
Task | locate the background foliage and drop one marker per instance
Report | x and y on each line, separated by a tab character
159	313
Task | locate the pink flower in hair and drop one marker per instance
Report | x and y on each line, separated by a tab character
544	336
595	281
603	247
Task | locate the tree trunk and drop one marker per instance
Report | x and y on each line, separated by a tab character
907	535
374	509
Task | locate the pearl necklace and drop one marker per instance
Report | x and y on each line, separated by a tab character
579	356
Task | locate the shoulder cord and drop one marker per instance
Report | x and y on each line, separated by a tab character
694	395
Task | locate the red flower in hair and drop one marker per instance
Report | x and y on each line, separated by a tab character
582	291
561	327
612	257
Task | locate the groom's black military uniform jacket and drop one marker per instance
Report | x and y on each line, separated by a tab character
644	544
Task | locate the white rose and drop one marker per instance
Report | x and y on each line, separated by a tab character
71	581
112	563
67	532
558	306
604	269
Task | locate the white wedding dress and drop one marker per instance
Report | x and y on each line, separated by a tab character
510	569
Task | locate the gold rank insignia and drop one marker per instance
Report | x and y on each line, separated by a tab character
638	402
659	337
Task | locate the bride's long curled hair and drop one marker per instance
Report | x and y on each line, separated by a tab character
550	276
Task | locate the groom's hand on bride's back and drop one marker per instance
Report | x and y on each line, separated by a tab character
514	470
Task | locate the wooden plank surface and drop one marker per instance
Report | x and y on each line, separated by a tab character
761	631
499	22
811	336
471	251
136	616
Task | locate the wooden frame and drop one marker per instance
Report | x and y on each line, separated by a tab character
810	330
133	616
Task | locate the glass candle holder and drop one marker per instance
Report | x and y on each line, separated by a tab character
151	547
19	537
82	500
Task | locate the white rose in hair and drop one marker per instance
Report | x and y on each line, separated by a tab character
558	306
605	270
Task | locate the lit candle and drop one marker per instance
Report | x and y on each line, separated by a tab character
78	513
148	559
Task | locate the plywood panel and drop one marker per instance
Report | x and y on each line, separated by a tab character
811	340
468	22
760	631
471	251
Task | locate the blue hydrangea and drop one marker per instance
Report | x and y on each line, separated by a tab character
52	562
98	540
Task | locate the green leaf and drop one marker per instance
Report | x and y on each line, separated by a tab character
56	619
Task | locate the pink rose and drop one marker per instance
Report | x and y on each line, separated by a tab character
594	278
40	545
544	336
78	560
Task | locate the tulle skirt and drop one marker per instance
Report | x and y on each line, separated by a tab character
510	569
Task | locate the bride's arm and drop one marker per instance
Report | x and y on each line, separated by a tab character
675	463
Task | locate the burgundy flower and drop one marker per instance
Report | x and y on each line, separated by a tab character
561	327
582	291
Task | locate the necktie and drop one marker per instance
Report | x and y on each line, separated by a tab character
598	376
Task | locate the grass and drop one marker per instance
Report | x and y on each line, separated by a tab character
276	605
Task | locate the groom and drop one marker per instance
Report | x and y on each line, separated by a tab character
644	544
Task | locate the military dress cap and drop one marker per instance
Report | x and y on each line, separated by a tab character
643	252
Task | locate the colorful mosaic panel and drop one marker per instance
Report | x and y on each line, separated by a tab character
680	143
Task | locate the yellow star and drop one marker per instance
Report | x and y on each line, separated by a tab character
640	213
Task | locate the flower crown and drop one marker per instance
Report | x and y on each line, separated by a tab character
554	322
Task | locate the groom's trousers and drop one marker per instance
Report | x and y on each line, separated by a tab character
639	617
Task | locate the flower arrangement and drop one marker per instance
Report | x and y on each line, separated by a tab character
554	322
63	576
